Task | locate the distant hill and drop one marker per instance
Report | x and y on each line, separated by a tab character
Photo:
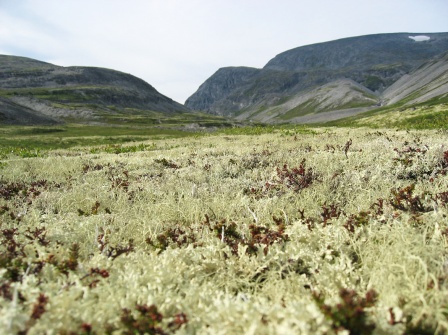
333	79
34	92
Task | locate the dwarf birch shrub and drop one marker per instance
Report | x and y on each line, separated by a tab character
330	231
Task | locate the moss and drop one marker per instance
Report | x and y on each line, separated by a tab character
227	232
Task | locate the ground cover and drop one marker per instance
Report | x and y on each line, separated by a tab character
427	115
33	141
269	231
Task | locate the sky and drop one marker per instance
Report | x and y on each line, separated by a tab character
175	45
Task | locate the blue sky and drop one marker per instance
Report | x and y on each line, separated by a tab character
175	45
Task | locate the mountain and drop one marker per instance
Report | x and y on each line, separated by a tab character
429	81
35	92
341	77
341	94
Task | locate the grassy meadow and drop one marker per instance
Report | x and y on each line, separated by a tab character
432	114
264	230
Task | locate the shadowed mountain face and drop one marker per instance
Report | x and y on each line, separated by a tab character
295	83
32	91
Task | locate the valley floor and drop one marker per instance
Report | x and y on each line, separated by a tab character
291	231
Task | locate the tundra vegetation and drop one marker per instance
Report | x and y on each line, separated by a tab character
264	230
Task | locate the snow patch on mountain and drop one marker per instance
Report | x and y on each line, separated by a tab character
420	38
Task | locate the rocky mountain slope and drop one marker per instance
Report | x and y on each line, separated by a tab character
341	77
34	92
429	81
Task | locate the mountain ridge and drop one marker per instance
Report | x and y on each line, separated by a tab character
45	93
373	61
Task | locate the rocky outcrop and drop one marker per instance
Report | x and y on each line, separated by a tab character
220	85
